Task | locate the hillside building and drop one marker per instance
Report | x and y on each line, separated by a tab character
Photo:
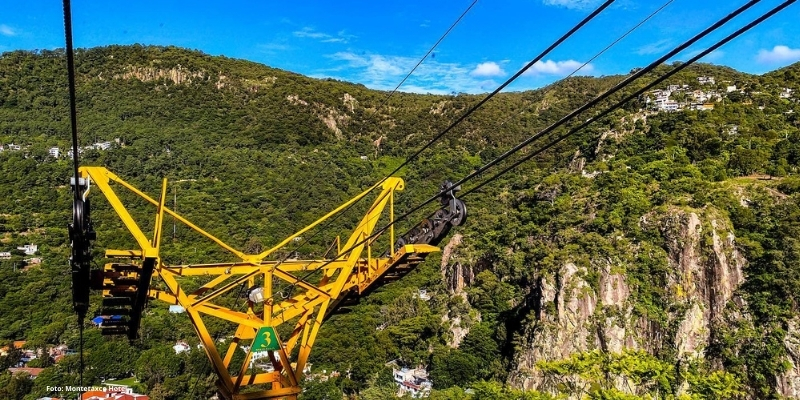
29	249
706	80
411	381
32	372
669	106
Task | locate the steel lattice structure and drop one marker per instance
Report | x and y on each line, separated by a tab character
318	286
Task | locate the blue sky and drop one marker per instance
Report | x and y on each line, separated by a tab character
376	43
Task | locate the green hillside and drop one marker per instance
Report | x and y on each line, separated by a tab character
670	206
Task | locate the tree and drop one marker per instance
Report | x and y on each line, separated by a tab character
480	344
380	392
157	364
451	393
14	387
320	390
11	358
114	359
452	367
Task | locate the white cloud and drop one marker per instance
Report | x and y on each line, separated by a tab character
573	4
488	69
558	68
655	47
6	30
384	72
778	55
310	33
376	66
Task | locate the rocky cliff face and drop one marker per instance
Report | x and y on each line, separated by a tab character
457	276
788	384
177	75
705	269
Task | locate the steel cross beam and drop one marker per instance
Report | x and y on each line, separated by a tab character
317	286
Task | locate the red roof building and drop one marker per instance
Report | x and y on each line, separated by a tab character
33	372
112	395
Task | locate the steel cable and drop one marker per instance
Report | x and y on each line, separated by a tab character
474	108
616	88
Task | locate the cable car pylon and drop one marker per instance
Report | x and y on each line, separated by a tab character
280	330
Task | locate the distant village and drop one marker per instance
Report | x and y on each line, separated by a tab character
28	250
57	152
55	354
702	97
684	97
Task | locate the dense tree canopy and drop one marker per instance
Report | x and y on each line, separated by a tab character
254	153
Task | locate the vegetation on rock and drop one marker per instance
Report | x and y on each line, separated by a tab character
261	152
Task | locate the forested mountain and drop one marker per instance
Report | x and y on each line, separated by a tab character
653	254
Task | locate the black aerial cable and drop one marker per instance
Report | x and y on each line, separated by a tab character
80	297
466	114
612	44
597	55
71	77
616	88
619	86
326	226
619	39
625	82
504	85
633	96
427	54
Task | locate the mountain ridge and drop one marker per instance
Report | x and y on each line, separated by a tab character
617	235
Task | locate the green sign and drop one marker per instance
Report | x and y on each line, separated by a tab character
266	339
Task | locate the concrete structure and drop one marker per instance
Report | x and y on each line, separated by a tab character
412	381
181	346
102	145
29	249
669	106
176	309
706	80
703	106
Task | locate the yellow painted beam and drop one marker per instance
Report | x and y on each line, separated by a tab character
244	268
312	293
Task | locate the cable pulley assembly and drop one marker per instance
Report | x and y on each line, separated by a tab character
432	230
81	234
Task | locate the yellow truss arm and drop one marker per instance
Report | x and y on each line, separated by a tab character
297	294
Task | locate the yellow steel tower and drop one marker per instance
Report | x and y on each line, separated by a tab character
126	284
